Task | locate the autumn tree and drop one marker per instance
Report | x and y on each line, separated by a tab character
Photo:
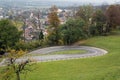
113	16
53	18
14	67
54	24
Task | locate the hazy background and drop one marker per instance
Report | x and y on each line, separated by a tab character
43	3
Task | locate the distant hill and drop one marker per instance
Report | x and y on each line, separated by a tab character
42	3
36	3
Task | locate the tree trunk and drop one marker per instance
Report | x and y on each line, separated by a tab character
17	76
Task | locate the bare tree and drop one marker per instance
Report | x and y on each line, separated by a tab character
13	67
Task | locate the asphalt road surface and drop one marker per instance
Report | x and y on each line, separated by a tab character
90	52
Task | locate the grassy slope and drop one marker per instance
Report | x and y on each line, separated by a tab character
106	67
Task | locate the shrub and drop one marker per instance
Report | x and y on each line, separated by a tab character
72	31
27	45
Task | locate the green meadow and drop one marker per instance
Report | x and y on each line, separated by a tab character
105	67
72	51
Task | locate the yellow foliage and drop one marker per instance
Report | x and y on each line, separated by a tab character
16	54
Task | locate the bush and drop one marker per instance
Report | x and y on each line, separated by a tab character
53	38
93	30
27	45
72	31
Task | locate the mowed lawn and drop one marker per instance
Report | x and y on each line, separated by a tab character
105	67
72	51
66	52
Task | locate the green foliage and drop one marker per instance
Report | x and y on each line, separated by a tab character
41	36
98	26
99	16
72	31
9	34
93	30
53	38
28	45
85	12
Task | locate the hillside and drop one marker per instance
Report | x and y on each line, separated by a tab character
106	67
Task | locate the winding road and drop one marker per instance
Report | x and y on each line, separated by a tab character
91	52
